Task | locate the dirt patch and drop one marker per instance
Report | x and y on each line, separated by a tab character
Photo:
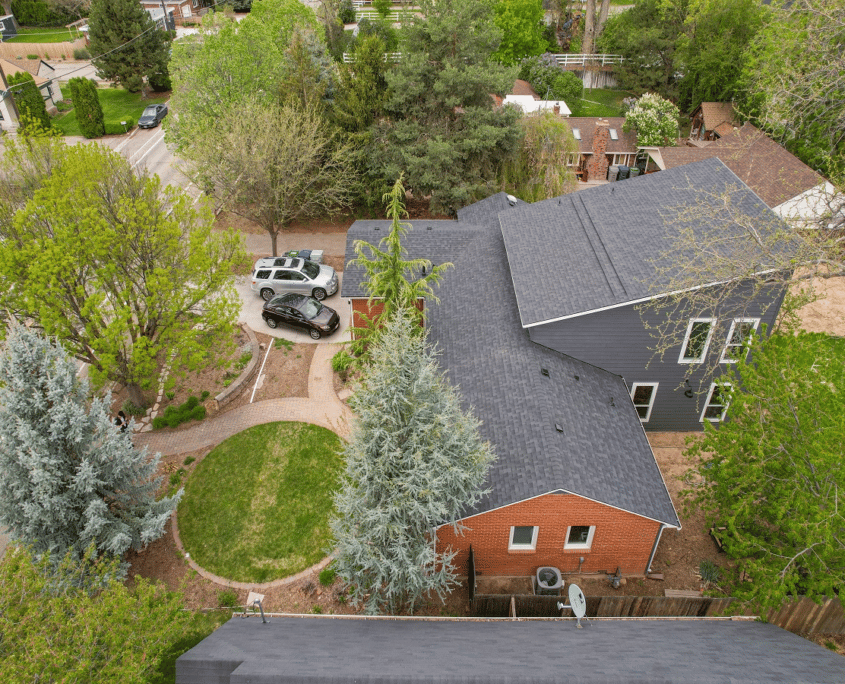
827	314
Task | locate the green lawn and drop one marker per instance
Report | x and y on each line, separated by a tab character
257	507
39	34
600	102
118	105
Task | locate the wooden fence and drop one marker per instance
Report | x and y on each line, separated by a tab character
13	51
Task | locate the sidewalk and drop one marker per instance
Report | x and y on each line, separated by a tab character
322	407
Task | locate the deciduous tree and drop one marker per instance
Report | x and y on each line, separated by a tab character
521	24
655	121
772	479
116	267
415	461
71	478
271	164
125	42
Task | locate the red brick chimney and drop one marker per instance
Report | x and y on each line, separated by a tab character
597	163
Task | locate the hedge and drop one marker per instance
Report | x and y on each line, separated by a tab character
37	13
116	128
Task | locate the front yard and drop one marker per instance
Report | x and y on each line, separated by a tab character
118	105
41	34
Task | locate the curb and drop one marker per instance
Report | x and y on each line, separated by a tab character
222	581
237	385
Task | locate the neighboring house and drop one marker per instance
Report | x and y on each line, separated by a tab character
523	96
8	29
786	184
713	120
346	649
183	10
539	330
601	144
166	22
49	87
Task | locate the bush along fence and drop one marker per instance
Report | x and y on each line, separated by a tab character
803	616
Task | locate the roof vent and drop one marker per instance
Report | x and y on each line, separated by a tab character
613	134
544	371
512	200
576	377
559	427
612	403
428	228
376	228
577	133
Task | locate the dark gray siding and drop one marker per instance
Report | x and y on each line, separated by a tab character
617	340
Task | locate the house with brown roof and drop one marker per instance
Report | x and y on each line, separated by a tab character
785	183
601	144
713	120
49	88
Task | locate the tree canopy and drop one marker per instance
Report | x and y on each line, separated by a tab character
116	267
415	461
86	102
442	131
771	474
30	103
521	24
71	478
655	121
125	42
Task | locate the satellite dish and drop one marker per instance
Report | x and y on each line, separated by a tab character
577	601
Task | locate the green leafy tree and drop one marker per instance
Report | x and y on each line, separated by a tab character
540	168
654	119
772	474
86	102
383	7
393	282
550	81
521	23
71	478
794	80
647	36
712	48
116	267
415	461
56	628
119	53
442	130
30	103
271	164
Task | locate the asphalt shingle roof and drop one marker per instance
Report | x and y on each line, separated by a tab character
626	143
338	650
601	453
437	241
607	245
715	114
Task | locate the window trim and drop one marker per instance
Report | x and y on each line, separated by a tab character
693	321
707	404
650	405
523	547
586	546
728	345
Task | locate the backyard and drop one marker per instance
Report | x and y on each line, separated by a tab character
600	102
118	105
41	34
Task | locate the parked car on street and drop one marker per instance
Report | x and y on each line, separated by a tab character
301	311
152	116
276	275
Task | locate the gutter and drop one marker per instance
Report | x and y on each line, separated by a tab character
654	549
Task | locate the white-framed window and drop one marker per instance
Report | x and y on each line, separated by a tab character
579	537
741	331
625	159
643	394
718	399
523	538
697	340
572	159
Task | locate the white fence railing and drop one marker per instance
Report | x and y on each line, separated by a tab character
394	16
588	60
349	57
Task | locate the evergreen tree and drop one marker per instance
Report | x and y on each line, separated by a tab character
415	461
443	131
86	103
30	103
119	53
70	477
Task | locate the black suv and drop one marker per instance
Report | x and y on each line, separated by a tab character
301	311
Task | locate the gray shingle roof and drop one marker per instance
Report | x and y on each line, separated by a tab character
437	241
601	454
598	247
335	650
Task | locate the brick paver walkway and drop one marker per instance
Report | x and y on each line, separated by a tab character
322	407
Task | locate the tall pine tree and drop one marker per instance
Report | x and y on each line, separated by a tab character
415	461
70	477
126	44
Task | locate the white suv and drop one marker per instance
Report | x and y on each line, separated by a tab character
278	275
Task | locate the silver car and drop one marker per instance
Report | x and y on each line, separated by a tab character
278	275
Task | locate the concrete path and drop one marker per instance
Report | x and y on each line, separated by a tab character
322	407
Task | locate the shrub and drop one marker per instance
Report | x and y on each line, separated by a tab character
189	460
548	80
81	53
198	413
228	598
38	13
342	362
327	576
170	394
117	128
317	610
174	416
131	409
64	106
205	395
32	56
347	12
709	572
159	422
160	82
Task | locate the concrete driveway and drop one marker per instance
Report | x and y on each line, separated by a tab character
252	304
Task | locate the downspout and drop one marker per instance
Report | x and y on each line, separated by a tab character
654	549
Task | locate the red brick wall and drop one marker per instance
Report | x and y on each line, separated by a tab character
620	540
360	306
597	163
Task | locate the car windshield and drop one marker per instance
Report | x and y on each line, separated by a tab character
311	308
311	269
149	111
